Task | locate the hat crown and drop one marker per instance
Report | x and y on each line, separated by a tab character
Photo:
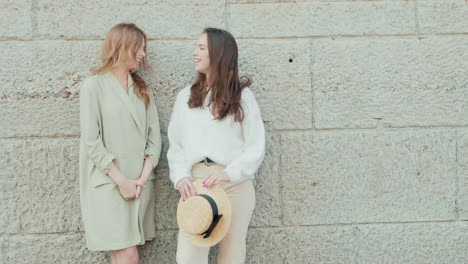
195	215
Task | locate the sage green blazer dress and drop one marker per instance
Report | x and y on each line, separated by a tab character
115	126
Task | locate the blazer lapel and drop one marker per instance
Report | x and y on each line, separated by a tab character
126	99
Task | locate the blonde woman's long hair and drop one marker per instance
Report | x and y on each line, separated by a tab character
121	39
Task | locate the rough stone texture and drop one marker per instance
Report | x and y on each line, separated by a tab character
462	159
413	243
16	19
39	117
172	67
283	91
37	69
45	195
161	250
267	186
403	82
171	70
448	16
44	249
365	104
382	243
9	222
160	19
404	243
302	245
368	176
167	198
322	19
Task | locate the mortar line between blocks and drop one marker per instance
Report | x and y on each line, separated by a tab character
304	2
416	19
334	37
261	227
34	20
386	129
457	178
226	14
312	92
280	175
358	224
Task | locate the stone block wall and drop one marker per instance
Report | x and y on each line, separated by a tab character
365	103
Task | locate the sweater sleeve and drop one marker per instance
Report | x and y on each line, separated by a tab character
91	127
244	166
175	154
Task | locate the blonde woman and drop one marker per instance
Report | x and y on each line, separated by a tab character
120	147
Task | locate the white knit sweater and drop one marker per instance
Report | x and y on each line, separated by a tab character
194	134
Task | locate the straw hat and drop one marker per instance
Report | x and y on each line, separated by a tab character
195	216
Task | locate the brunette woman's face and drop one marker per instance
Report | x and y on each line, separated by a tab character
136	59
201	55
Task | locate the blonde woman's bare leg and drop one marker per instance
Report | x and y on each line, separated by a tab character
125	256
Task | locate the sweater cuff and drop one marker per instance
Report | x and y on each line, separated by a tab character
234	175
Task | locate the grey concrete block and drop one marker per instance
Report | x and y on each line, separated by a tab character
172	67
46	68
39	117
398	82
53	248
171	70
413	243
16	20
462	158
161	250
322	19
281	80
372	243
368	176
8	204
167	199
258	1
160	19
267	184
302	245
165	104
448	16
45	194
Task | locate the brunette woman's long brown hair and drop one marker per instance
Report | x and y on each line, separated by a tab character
121	39
224	84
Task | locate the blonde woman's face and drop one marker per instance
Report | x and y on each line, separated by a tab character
136	59
201	57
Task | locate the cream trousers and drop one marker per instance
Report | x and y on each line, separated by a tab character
232	248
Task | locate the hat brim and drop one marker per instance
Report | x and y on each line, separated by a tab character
224	208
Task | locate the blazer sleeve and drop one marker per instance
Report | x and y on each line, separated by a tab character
153	143
91	127
245	165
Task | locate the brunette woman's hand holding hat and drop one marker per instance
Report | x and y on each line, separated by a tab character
186	188
219	175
